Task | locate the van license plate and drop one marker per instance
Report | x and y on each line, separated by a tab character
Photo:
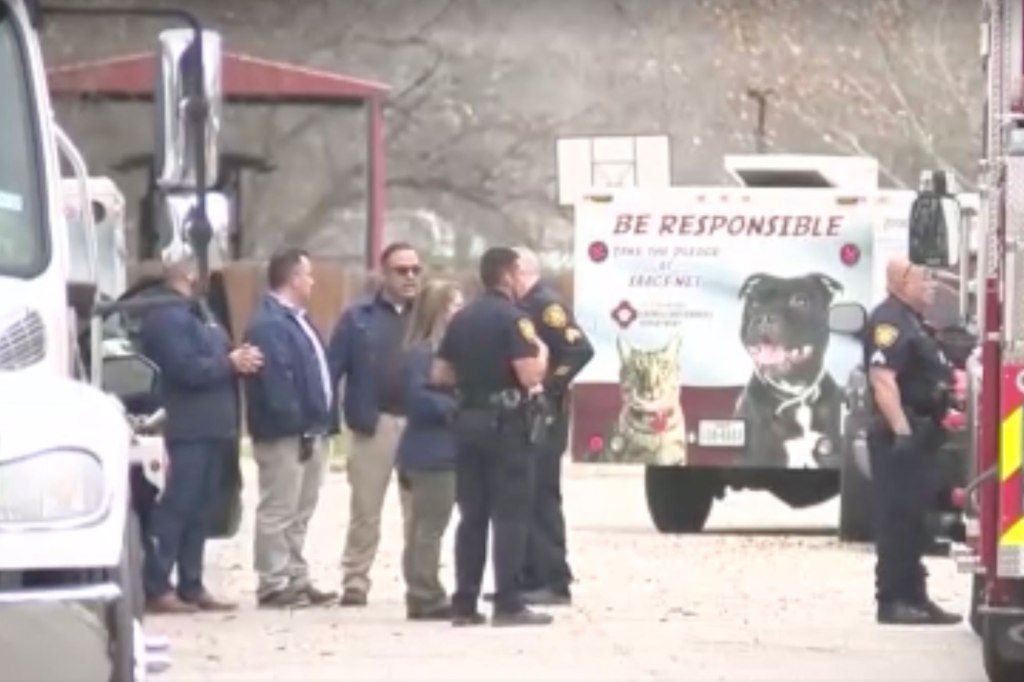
722	433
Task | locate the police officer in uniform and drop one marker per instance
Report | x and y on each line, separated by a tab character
910	382
491	354
546	574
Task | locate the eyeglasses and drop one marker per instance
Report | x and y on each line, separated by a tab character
407	270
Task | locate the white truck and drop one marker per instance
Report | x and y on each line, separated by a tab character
70	548
708	308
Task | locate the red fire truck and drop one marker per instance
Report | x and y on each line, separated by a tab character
995	499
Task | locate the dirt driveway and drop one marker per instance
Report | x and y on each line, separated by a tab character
726	605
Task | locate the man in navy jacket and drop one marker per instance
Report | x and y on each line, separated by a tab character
198	374
289	414
366	351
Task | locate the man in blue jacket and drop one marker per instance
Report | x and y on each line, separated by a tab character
289	415
198	373
366	351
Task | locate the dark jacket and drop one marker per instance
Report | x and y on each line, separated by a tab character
197	381
570	348
352	355
286	397
427	442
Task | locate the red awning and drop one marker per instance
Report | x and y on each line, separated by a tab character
245	79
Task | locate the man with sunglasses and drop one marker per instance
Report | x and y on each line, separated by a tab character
910	382
365	350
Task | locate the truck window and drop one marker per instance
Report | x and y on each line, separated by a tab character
23	240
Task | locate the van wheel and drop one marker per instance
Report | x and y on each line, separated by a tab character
802	489
121	614
679	499
854	497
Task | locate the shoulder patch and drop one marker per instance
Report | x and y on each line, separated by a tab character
554	316
527	330
886	335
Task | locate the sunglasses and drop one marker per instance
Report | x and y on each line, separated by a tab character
407	270
926	273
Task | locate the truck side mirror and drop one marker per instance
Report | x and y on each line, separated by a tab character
129	376
847	318
178	80
935	217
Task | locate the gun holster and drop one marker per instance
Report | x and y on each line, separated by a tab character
538	419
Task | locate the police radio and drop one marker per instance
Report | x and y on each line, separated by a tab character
934	222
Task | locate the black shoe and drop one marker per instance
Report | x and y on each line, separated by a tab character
351	597
939	615
547	596
464	620
288	598
438	612
523	617
903	613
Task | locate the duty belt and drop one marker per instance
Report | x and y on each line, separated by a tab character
509	399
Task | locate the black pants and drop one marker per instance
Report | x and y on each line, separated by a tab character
546	564
493	479
904	487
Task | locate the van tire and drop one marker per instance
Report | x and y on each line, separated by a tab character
679	499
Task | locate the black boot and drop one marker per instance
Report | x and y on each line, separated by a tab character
548	596
906	613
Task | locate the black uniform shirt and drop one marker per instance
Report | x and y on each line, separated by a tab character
481	342
896	338
569	347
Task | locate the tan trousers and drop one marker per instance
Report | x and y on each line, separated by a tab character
289	491
431	498
370	469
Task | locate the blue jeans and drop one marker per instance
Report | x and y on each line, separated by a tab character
178	527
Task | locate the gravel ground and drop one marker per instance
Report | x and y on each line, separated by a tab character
766	594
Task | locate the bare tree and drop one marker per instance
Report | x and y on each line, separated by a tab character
893	79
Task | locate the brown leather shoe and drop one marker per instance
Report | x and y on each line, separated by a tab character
207	602
169	603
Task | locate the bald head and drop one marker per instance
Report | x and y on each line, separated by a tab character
895	274
528	261
529	267
179	266
912	284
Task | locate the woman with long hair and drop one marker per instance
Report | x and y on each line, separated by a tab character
426	453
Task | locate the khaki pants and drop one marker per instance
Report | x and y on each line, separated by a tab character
431	497
289	490
370	467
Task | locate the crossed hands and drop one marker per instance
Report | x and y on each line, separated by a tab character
246	359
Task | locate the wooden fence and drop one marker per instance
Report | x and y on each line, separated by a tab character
334	289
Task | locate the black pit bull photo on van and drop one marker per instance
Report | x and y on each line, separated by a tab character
791	404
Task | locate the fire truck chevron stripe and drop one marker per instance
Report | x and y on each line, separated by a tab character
1011	446
1011	441
1015	536
1011	515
